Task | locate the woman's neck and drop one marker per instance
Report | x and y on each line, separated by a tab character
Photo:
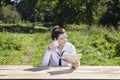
60	48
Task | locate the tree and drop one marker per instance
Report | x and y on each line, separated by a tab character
26	9
76	11
68	12
5	2
112	15
9	15
63	12
44	10
36	10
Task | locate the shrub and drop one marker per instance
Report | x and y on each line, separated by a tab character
10	41
8	14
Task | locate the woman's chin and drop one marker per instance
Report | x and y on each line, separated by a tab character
63	44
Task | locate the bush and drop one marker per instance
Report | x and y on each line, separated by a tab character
8	14
97	45
10	41
117	49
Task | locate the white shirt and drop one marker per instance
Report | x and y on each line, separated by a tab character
51	57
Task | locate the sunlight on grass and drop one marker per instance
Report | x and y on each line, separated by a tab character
97	45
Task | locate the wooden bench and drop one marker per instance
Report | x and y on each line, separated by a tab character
83	72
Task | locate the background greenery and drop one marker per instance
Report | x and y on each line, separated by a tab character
61	12
98	46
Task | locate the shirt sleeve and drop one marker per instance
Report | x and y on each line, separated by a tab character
72	49
46	57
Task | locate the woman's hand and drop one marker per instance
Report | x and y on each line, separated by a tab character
75	65
50	46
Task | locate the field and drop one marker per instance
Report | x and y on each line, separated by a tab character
98	46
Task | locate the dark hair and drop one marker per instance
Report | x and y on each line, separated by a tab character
56	32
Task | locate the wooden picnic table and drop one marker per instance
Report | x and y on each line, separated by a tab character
37	72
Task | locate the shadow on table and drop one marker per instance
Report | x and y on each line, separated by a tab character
5	69
36	68
61	72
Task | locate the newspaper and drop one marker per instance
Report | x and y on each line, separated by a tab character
71	58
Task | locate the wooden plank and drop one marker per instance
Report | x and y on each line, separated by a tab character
83	72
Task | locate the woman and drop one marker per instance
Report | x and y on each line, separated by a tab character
54	52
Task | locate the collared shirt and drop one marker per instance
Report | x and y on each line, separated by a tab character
51	57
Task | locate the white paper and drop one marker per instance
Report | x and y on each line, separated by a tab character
55	43
71	58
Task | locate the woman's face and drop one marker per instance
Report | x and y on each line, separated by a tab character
62	39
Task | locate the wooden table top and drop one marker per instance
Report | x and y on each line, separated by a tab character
35	72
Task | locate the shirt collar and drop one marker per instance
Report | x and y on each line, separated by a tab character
62	49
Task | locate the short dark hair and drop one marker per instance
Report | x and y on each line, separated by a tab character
56	32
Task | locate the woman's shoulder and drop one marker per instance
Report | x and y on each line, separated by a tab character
69	44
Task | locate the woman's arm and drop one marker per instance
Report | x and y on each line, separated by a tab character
46	57
73	51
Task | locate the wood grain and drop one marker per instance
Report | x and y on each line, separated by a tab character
35	72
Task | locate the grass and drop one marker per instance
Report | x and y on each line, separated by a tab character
97	45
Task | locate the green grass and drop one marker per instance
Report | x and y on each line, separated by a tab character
97	45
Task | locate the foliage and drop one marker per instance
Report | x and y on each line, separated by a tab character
36	10
95	48
8	14
112	16
26	9
23	28
5	2
97	45
62	12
